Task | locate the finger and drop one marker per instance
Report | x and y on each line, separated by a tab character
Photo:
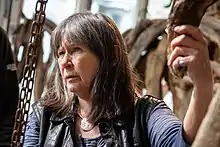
190	30
186	41
180	52
177	62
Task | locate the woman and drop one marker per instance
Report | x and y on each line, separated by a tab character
92	101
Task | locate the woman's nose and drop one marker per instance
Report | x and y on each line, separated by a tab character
66	61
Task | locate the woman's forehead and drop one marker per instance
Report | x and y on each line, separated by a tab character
65	44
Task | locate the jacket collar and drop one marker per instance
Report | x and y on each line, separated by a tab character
59	119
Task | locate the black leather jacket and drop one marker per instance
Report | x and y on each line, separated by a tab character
57	132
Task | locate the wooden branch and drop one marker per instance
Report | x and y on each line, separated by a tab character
142	9
209	131
39	75
185	12
144	39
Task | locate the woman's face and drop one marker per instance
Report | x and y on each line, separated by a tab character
78	67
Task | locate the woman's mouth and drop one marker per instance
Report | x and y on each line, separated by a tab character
71	77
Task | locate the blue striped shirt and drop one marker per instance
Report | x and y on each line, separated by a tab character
90	142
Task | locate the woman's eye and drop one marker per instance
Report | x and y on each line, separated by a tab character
60	53
77	49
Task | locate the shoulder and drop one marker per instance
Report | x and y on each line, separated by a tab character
145	105
147	101
40	111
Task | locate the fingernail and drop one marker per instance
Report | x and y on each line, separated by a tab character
166	30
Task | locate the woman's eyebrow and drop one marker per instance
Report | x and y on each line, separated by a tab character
63	46
74	45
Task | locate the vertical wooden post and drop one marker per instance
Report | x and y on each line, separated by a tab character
82	5
142	9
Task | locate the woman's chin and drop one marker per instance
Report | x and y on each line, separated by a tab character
74	88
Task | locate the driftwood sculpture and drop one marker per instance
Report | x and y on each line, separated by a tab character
185	12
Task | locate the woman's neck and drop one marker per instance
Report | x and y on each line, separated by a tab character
84	107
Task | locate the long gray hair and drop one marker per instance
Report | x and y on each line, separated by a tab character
112	90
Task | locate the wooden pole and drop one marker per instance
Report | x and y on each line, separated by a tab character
142	9
9	16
